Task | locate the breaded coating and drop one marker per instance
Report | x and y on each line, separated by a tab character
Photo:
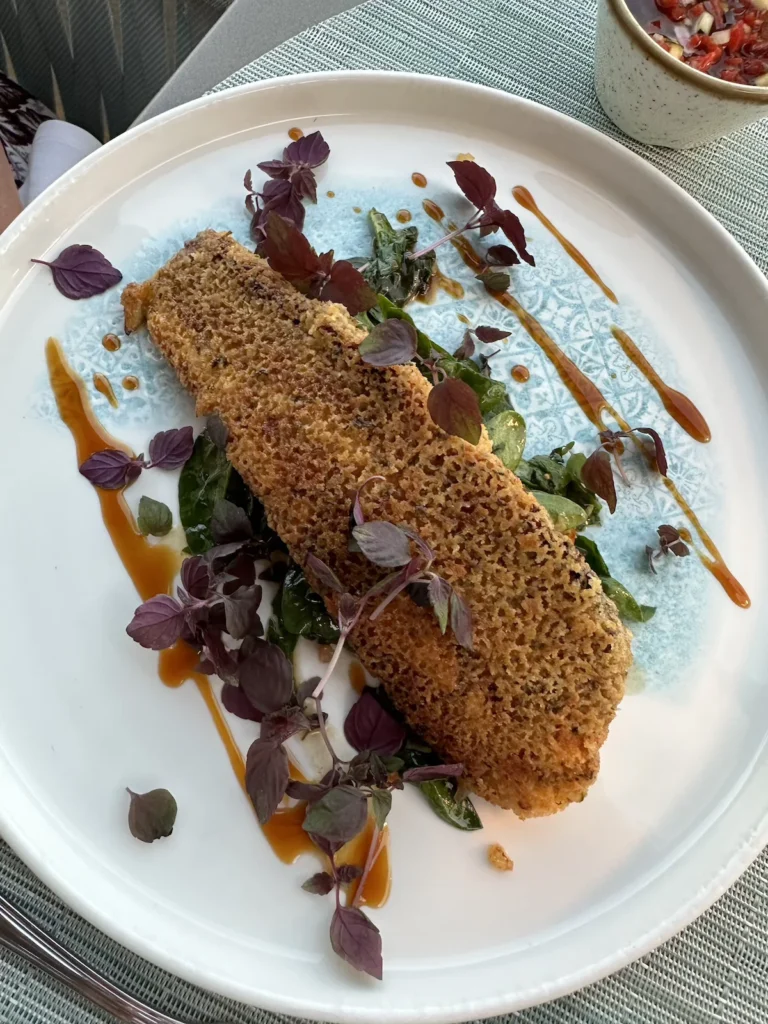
527	710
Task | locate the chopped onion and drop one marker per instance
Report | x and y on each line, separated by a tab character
721	37
762	81
683	36
676	51
761	5
704	23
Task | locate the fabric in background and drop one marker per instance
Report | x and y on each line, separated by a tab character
97	63
714	972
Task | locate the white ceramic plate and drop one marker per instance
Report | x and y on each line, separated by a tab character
680	806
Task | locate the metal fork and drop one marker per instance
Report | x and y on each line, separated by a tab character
22	936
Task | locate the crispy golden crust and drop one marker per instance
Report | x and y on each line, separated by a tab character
528	710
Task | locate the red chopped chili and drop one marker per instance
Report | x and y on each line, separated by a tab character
724	38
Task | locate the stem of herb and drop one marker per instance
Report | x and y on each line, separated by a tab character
373	852
441	241
324	733
331	665
393	594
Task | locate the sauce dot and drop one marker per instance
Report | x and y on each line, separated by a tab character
403	216
418	179
464	319
111	342
466	156
357	209
357	676
330	194
131	383
295	134
103	386
521	373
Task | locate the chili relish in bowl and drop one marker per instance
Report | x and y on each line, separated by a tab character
727	39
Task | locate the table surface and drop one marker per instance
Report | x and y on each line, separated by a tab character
717	969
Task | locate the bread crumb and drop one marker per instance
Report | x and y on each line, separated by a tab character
499	859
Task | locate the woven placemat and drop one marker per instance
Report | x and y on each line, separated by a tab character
717	969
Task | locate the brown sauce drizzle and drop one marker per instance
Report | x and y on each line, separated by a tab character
432	210
111	342
103	386
678	405
403	216
441	282
589	397
526	200
153	569
357	676
464	319
131	383
715	563
379	881
521	373
593	404
418	179
295	134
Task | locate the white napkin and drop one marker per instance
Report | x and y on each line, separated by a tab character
57	147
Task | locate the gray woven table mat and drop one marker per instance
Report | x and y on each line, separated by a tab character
717	969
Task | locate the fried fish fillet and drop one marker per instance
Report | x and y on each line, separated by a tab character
527	710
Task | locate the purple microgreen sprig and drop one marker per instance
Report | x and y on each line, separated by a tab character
597	471
290	180
80	271
289	253
389	546
480	189
452	404
485	334
112	469
670	543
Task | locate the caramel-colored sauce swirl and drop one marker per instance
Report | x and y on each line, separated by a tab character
526	200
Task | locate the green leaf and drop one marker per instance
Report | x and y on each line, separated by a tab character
441	796
507	432
628	607
381	804
154	518
492	394
566	515
302	612
440	793
388	271
203	481
591	553
554	475
277	633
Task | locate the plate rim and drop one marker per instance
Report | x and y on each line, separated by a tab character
730	871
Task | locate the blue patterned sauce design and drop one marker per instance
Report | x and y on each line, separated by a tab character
570	307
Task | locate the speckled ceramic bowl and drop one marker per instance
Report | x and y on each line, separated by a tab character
657	99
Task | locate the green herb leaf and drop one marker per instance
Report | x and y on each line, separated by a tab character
565	514
389	271
154	518
441	795
507	432
276	631
628	607
302	612
203	482
381	804
151	815
553	474
591	553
